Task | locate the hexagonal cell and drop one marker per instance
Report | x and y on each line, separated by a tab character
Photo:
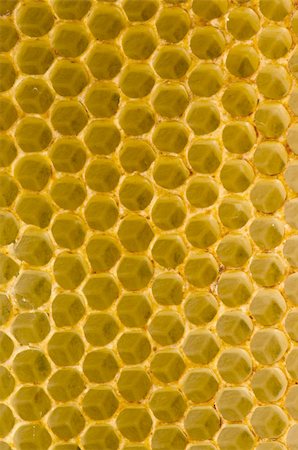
291	208
100	329
136	118
167	289
242	60
267	269
234	327
268	345
268	306
236	175
207	42
232	437
172	24
65	385
7	383
200	307
34	209
291	324
65	348
201	422
6	308
7	73
169	172
32	164
204	155
290	287
101	212
171	62
135	272
203	117
201	346
32	288
106	21
68	78
75	11
274	41
6	8
31	366
243	23
34	247
34	19
134	423
136	155
137	80
272	119
168	212
273	82
270	157
202	191
201	269
269	421
234	404
66	422
100	435
31	403
102	137
134	310
139	42
68	230
67	309
33	134
6	347
102	99
8	268
269	384
33	435
69	39
100	291
275	10
69	117
137	12
169	251
133	384
166	327
167	365
291	176
234	212
104	61
267	233
8	34
103	252
100	366
8	113
136	192
211	9
170	136
9	228
68	192
205	80
8	151
34	95
239	99
70	269
234	250
234	365
34	56
170	100
100	403
102	175
68	155
238	137
167	404
199	385
133	347
169	437
30	328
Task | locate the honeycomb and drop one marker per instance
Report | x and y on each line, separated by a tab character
148	225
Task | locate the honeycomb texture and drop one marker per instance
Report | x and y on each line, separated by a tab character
148	225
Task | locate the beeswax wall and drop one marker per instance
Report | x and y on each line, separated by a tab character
148	225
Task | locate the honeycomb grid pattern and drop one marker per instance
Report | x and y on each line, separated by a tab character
148	225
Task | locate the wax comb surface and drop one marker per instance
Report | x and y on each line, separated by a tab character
148	225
